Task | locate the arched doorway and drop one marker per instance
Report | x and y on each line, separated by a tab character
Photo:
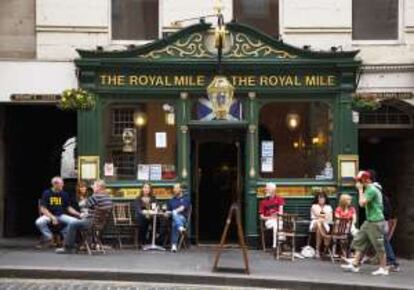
386	144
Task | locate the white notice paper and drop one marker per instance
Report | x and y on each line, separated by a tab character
267	148
109	169
160	140
267	164
143	172
155	172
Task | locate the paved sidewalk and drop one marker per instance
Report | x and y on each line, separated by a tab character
194	267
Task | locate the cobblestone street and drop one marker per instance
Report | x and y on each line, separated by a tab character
32	284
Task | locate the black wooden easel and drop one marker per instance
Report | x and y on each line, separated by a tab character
233	211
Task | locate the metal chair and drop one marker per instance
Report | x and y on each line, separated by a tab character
286	225
183	240
93	235
340	235
122	218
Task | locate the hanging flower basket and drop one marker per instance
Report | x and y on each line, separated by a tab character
77	100
366	102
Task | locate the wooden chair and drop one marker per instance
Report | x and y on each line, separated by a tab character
93	235
286	224
122	218
183	240
340	235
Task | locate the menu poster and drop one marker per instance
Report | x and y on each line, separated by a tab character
267	148
155	172
160	140
267	164
143	172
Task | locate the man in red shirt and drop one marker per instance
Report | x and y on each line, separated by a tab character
269	207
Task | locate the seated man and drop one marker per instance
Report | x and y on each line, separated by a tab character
178	206
53	206
99	200
270	207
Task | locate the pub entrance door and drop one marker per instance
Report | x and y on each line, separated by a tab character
217	181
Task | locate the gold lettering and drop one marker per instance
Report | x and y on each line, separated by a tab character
273	81
243	81
133	80
143	80
168	81
310	81
152	80
121	80
264	81
179	80
200	80
331	81
297	82
289	81
251	81
159	81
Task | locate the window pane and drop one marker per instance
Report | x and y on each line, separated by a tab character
295	140
375	19
141	141
134	19
262	14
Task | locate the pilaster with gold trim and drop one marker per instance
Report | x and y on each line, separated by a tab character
183	139
251	170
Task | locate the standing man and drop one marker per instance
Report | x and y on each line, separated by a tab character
373	229
99	200
270	207
54	205
178	206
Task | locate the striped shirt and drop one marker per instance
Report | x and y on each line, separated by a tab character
99	200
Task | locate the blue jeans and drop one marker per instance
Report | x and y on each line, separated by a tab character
178	220
73	228
42	223
391	259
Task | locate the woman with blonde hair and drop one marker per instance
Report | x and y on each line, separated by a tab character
82	197
345	210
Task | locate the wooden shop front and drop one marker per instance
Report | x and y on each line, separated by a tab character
289	121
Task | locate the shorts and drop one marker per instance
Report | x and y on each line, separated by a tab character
371	233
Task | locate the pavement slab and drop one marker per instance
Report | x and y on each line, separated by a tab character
194	266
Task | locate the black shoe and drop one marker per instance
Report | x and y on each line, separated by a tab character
65	251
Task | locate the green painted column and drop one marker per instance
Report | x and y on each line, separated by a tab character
250	198
90	131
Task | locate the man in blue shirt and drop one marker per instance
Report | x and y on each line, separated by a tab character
179	206
54	205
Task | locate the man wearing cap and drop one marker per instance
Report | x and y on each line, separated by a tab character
373	229
269	207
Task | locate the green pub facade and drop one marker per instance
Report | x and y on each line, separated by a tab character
288	121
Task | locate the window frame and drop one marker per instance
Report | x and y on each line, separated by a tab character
137	42
328	100
279	31
108	105
368	42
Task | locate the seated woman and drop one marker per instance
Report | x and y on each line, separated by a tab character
82	197
321	220
345	210
270	206
143	202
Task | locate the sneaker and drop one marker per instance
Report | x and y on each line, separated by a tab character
65	251
380	272
394	268
174	248
350	268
